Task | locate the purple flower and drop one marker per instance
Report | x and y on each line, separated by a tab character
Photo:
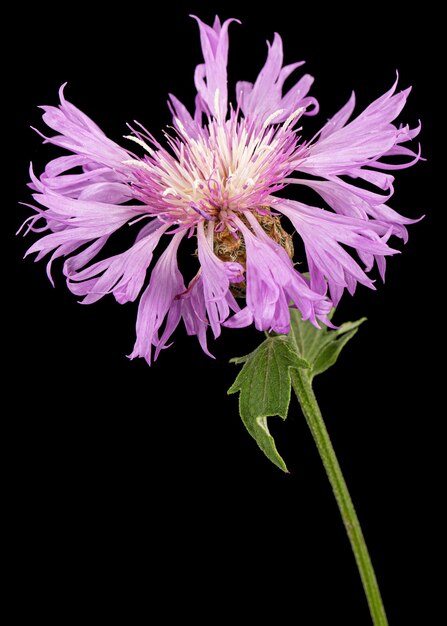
220	178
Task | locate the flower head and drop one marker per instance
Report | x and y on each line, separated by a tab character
219	176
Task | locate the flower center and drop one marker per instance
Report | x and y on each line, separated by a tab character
223	168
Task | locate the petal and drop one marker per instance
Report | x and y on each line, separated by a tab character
215	277
214	41
75	263
272	282
64	163
165	284
123	274
112	193
339	119
242	318
79	134
181	114
75	223
356	202
343	148
261	100
194	312
322	233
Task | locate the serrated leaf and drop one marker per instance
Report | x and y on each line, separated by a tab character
264	390
264	383
238	360
319	347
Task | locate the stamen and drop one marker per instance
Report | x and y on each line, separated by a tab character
180	126
272	117
293	116
137	163
169	191
140	142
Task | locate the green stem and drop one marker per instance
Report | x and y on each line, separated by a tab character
303	388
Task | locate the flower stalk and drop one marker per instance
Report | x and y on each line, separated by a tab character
302	386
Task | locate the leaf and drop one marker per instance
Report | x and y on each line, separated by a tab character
264	383
319	347
264	389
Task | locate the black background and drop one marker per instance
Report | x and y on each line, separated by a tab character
138	487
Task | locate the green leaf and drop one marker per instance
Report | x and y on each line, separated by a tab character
319	347
264	389
264	383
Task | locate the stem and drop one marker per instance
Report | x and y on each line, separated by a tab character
303	388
